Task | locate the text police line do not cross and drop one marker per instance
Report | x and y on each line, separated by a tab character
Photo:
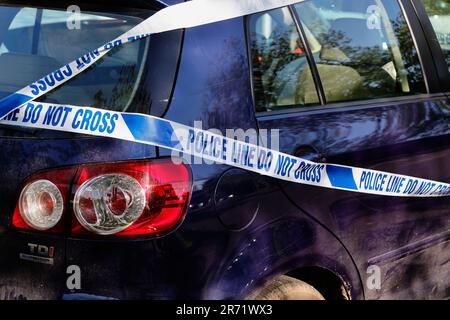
177	137
216	148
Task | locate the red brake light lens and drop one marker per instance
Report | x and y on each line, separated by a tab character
143	198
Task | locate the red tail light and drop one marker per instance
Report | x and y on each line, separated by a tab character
120	199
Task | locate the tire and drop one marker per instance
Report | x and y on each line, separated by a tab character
286	288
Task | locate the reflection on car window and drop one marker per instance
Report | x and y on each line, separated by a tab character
281	74
439	13
363	49
39	42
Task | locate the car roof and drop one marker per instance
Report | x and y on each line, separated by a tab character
106	4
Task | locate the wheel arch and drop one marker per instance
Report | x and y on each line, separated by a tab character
330	284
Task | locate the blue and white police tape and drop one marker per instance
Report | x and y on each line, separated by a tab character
179	16
21	111
159	132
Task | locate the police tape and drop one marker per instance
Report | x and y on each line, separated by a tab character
150	130
19	109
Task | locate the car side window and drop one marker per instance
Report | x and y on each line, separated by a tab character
363	49
439	13
281	74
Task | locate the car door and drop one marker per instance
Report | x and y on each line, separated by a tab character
354	83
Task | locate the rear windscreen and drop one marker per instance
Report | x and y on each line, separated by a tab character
37	41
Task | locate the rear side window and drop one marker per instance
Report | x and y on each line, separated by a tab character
281	74
36	41
363	49
439	13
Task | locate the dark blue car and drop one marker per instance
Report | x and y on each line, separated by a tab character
361	83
